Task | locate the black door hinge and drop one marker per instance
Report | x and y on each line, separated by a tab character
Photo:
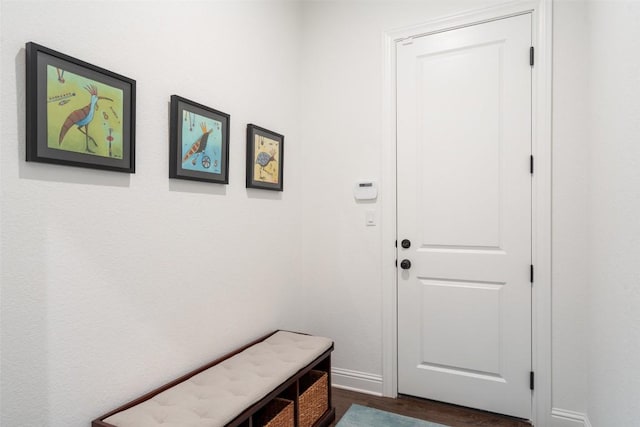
531	164
531	380
531	56
531	274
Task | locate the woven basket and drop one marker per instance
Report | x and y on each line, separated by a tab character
314	398
277	413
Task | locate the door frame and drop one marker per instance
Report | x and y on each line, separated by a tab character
541	11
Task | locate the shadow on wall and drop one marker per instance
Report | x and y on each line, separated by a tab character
254	193
182	186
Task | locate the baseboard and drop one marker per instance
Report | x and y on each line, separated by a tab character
566	418
361	382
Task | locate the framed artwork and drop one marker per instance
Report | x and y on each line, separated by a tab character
198	142
265	151
78	114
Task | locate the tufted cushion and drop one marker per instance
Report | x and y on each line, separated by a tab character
216	396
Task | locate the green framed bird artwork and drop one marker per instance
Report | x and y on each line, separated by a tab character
83	115
78	114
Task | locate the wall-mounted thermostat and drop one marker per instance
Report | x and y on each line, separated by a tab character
365	190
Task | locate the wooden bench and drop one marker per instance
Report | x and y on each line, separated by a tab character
282	374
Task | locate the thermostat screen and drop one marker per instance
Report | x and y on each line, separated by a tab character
365	190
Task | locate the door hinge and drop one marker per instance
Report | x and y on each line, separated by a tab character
531	274
531	56
396	263
396	243
531	380
531	164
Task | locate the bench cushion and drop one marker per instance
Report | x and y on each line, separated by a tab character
216	396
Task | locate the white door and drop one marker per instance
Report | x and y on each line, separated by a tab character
464	203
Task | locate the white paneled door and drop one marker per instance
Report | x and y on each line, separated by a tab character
464	216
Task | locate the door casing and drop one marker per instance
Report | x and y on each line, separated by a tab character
541	191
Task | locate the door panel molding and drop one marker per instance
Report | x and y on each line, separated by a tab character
463	148
541	213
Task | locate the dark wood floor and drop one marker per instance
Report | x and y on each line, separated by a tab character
429	410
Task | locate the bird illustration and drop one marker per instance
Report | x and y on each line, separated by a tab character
264	159
83	117
199	146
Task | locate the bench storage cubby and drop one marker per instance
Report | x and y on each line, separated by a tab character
314	397
280	380
277	413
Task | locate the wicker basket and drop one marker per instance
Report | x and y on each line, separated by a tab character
314	398
277	413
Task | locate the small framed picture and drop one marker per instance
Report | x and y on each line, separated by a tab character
78	114
198	142
265	151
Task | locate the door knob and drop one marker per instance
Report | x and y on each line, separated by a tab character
405	264
406	243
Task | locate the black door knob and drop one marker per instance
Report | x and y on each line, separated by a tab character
406	243
405	264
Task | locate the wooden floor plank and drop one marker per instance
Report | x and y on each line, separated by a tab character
429	410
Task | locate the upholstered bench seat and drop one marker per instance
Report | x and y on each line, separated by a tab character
217	395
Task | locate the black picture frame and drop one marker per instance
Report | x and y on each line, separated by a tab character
198	142
265	158
78	114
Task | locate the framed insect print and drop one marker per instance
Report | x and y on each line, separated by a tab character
78	114
265	151
198	142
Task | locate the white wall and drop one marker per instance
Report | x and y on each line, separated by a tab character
113	283
570	206
596	209
614	207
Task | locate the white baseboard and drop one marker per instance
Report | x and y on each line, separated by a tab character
361	382
566	418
